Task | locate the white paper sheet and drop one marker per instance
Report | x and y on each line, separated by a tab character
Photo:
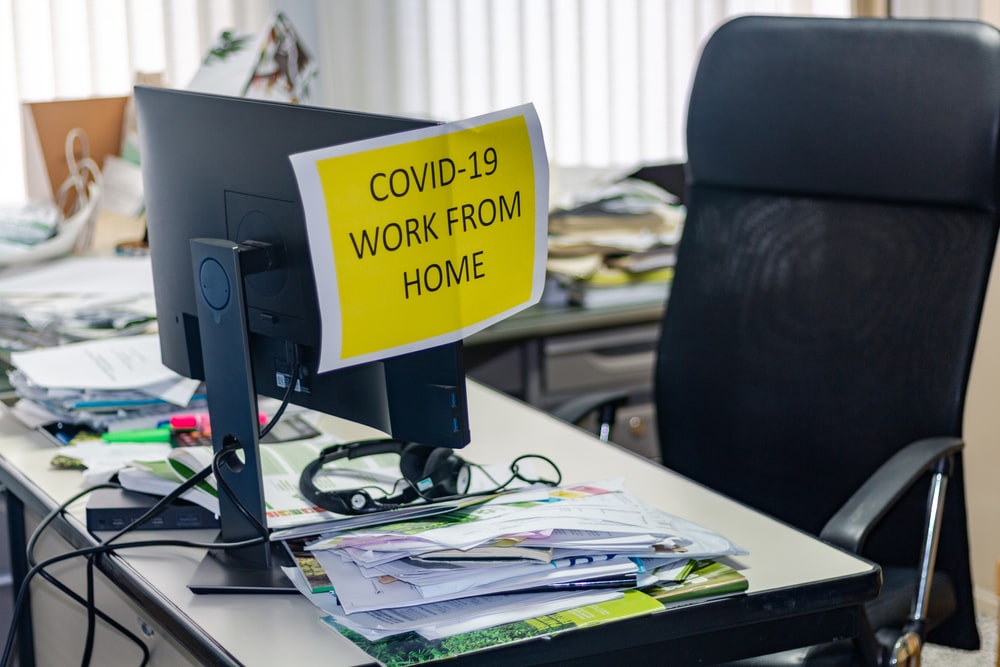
358	593
128	362
81	275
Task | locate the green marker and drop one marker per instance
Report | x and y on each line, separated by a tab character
162	434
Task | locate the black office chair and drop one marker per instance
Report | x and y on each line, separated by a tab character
815	351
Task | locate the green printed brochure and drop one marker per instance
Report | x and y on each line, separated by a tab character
707	578
699	579
412	649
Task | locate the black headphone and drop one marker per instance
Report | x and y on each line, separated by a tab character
428	472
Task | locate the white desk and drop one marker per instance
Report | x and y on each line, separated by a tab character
797	584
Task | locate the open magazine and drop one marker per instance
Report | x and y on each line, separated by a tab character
281	465
289	513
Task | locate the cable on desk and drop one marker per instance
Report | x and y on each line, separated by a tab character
38	568
499	487
128	634
89	601
18	609
88	644
159	506
70	593
228	450
107	546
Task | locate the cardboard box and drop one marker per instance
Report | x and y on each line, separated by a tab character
46	125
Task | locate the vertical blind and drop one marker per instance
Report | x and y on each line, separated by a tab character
609	78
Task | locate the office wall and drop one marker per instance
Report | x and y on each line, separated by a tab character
982	455
937	8
609	79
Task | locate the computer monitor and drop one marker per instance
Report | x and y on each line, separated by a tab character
217	169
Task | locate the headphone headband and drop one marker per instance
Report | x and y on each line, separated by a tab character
429	472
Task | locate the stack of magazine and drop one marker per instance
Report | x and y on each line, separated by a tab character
76	298
99	383
533	562
617	245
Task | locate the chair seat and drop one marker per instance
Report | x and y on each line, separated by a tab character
899	588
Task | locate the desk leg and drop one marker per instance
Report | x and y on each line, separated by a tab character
865	643
532	371
19	569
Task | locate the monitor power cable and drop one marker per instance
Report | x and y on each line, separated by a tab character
39	568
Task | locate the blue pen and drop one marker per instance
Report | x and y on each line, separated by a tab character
131	402
124	403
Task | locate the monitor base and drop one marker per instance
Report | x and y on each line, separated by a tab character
220	572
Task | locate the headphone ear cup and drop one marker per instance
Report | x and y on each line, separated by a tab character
413	460
443	468
440	465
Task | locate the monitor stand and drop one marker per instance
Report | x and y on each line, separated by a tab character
219	266
220	572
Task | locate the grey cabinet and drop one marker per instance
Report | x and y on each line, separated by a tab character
547	356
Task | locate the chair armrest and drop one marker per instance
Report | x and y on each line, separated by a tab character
850	526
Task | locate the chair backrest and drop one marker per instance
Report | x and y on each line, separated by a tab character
842	219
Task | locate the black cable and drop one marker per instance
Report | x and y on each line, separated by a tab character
228	490
51	516
88	602
91	607
36	534
38	568
287	397
158	507
73	595
105	548
498	488
229	449
65	589
516	472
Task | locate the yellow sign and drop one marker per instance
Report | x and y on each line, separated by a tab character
425	237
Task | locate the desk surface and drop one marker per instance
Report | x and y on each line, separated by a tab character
789	572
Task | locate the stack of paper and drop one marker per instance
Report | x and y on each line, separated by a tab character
563	547
463	620
78	298
618	246
97	383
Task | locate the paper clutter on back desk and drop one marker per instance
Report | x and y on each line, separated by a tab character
111	384
613	243
77	298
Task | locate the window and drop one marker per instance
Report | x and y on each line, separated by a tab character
609	78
